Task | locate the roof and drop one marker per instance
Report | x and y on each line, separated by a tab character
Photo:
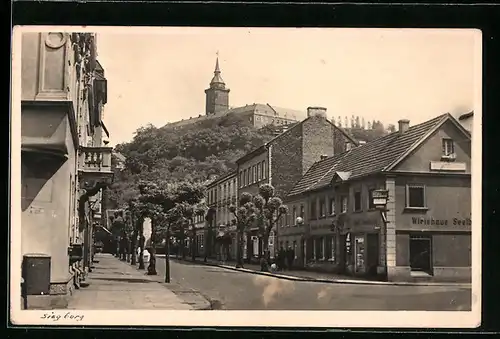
379	155
258	109
222	178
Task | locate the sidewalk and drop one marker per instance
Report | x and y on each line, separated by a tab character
309	276
116	285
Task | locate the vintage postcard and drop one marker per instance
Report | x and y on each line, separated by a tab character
278	177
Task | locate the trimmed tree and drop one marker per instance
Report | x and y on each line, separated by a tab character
271	209
245	215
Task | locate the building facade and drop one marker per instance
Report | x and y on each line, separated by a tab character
423	235
63	162
285	159
221	194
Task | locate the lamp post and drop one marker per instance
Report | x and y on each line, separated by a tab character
300	222
379	200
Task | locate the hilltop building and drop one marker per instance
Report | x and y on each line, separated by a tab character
217	106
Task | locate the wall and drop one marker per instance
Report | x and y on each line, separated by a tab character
286	160
253	188
46	184
454	208
317	140
431	150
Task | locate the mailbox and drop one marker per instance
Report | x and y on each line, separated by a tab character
36	274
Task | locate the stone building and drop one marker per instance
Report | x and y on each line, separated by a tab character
256	114
283	161
63	162
425	237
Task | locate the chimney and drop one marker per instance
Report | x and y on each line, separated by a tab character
404	124
316	111
323	156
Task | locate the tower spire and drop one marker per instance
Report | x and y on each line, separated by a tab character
217	79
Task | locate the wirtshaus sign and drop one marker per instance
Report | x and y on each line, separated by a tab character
441	222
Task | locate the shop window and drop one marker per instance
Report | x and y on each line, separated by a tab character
313	212
357	202
332	206
322	208
332	249
448	147
343	204
415	196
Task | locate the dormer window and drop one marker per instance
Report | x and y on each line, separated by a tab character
448	149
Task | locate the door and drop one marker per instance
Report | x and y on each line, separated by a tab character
303	251
420	254
359	254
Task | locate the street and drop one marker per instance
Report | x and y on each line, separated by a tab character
233	290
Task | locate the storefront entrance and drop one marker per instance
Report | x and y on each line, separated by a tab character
359	254
420	254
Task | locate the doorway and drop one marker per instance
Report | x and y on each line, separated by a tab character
420	254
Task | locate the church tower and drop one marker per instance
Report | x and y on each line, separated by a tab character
217	94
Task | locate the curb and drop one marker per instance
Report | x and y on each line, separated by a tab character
333	281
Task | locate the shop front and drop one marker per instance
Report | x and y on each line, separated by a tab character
432	252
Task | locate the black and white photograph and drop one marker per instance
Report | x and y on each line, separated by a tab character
212	176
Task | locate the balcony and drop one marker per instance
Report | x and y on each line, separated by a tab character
95	163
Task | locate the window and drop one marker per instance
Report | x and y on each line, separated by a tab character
241	179
264	169
322	207
322	248
332	256
343	202
415	196
302	211
357	201
294	215
448	147
259	173
313	210
348	146
295	249
249	177
254	171
370	199
244	178
332	206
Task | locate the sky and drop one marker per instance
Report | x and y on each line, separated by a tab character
159	75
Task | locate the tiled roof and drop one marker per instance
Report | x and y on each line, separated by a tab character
316	173
372	157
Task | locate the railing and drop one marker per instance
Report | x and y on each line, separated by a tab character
95	159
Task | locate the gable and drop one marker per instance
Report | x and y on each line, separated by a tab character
431	150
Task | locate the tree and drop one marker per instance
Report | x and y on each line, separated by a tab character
391	128
157	199
245	215
271	209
